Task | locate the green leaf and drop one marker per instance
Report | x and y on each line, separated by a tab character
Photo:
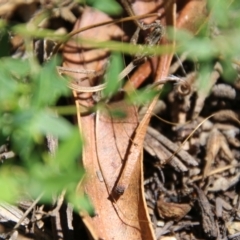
10	186
49	86
198	47
37	32
46	122
71	146
116	113
111	7
229	73
16	67
81	202
4	43
218	12
51	180
8	88
142	96
112	82
2	23
126	47
14	82
203	81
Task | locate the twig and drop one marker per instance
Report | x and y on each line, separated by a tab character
24	216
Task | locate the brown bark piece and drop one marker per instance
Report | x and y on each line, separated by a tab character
208	221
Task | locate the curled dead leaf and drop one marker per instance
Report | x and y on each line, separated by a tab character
173	211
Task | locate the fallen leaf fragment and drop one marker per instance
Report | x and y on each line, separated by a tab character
172	211
213	146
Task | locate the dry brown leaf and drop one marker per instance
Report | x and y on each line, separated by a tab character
173	211
127	218
142	7
213	146
106	147
216	141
